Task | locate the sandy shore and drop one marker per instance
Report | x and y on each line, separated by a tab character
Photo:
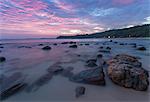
34	62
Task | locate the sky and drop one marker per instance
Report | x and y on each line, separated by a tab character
52	18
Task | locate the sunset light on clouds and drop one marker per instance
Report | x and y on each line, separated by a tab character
51	18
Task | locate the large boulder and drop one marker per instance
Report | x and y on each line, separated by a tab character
127	71
91	63
91	76
73	46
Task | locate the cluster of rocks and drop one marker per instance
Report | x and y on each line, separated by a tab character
71	42
105	50
73	46
127	71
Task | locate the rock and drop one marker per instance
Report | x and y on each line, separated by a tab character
55	44
1	47
64	43
101	47
87	44
40	44
47	48
127	71
141	48
71	42
11	85
2	59
122	44
80	90
55	69
110	41
24	47
108	48
91	76
91	63
115	42
73	46
99	55
12	90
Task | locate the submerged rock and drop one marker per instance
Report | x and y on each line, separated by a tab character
2	59
47	48
80	90
127	71
40	44
108	48
92	76
141	48
91	63
73	46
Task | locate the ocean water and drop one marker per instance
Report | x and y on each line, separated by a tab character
33	63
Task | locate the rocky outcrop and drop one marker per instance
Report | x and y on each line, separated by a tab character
80	90
91	76
127	71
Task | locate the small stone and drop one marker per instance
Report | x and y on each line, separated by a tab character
80	90
73	46
2	59
46	48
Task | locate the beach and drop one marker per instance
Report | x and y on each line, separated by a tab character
32	62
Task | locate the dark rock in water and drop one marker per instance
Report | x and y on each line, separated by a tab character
81	44
73	46
108	48
141	48
122	44
92	76
87	44
99	55
71	42
12	90
110	41
47	48
40	44
101	47
11	85
115	42
127	71
55	44
91	63
1	47
55	69
80	90
24	47
2	59
64	43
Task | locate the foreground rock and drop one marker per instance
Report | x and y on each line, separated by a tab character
2	59
11	85
91	76
80	90
47	48
127	71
